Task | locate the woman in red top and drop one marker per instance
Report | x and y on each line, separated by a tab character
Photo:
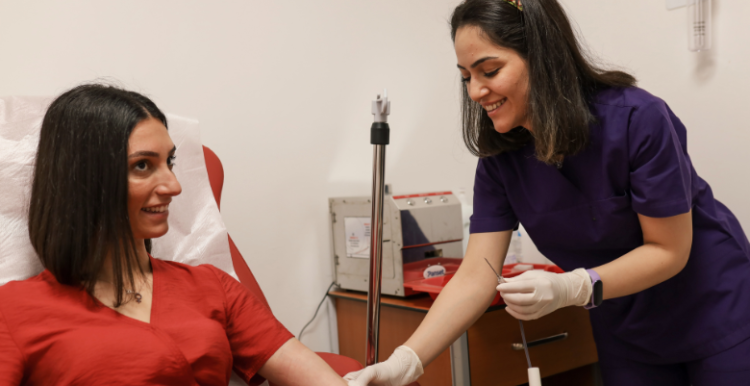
104	311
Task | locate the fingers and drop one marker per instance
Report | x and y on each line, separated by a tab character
514	314
527	310
525	282
520	316
361	377
528	275
526	286
353	375
520	299
532	294
523	306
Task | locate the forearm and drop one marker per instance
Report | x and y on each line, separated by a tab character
464	299
459	305
663	255
294	365
641	268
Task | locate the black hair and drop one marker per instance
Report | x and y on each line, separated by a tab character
562	80
78	211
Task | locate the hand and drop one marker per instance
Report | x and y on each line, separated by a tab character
536	293
402	368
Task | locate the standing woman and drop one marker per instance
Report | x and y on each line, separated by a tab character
597	171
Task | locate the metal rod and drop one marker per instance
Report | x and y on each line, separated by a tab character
376	255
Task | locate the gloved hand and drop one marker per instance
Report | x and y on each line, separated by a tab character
536	293
402	368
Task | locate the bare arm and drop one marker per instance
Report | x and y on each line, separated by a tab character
664	253
464	298
294	365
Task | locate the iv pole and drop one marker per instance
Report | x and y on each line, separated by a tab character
379	137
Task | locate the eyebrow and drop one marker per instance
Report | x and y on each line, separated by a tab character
478	62
146	153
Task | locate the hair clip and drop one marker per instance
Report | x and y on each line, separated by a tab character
515	3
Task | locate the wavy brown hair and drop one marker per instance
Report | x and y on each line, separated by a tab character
78	211
562	79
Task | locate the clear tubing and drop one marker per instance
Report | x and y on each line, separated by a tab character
699	25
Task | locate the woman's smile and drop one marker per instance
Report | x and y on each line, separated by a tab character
158	213
156	209
494	107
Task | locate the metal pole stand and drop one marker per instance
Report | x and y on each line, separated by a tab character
379	137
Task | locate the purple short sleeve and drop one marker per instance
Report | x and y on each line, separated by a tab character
660	170
492	211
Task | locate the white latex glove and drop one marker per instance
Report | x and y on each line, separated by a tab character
536	293
402	368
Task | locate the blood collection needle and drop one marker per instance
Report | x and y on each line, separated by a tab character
533	371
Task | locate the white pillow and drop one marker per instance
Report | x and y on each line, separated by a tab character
197	234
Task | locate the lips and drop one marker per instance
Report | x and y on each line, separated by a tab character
156	209
494	106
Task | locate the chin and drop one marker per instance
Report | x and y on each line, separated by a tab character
503	129
152	233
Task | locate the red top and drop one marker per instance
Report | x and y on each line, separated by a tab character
203	324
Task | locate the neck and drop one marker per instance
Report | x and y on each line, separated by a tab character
143	260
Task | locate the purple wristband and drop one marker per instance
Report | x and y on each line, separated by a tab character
596	290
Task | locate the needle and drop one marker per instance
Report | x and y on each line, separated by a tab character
500	280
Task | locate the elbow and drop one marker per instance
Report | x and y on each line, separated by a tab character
681	260
674	259
682	253
680	257
678	252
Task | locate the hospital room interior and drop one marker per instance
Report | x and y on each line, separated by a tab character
329	161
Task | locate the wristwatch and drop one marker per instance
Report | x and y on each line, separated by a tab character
597	290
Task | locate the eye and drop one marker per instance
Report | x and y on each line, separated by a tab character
170	161
465	80
140	166
491	73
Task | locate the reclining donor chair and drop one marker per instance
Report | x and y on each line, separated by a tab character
341	364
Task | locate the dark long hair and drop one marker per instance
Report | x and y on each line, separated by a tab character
562	80
78	212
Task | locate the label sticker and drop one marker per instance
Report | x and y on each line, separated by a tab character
434	271
357	237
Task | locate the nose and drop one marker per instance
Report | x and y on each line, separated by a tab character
169	186
477	90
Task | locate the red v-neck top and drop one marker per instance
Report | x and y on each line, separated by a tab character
203	324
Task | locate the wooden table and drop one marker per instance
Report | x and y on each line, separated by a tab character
488	354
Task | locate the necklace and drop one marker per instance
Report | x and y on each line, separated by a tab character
137	295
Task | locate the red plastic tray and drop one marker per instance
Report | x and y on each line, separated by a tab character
414	272
434	285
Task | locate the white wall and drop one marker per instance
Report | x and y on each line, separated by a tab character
283	90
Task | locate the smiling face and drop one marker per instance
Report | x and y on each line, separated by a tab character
151	182
496	77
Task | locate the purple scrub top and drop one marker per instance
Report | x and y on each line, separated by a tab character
586	214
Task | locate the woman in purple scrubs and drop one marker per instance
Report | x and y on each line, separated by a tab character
598	173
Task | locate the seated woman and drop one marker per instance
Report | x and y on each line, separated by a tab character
104	311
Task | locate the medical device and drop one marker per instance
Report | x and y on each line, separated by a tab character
379	138
422	238
535	378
